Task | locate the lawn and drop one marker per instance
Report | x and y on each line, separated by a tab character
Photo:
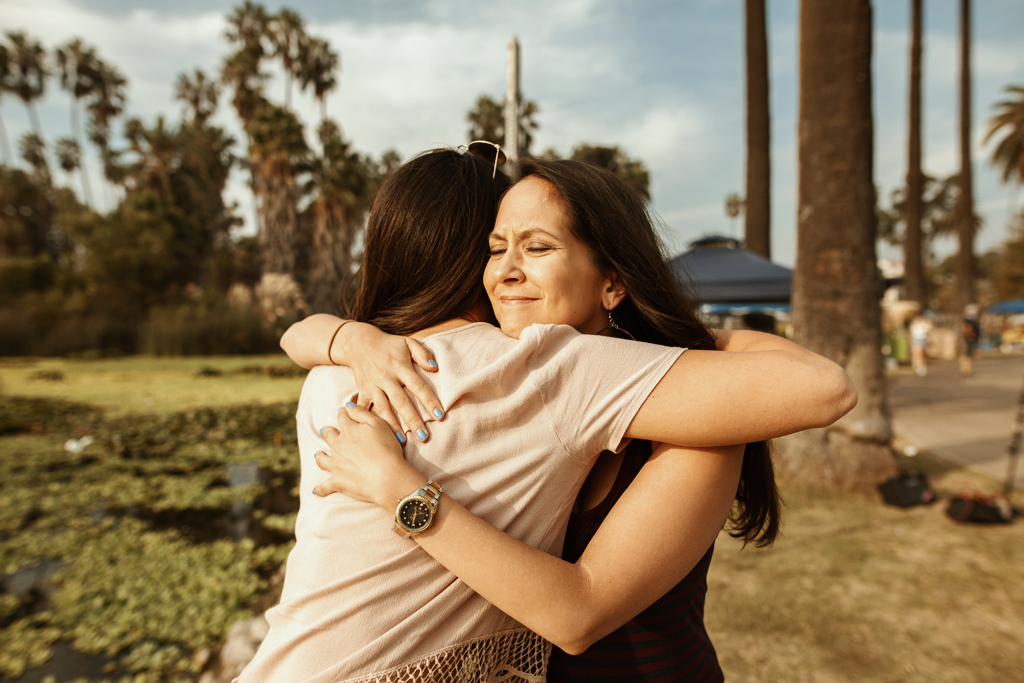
135	554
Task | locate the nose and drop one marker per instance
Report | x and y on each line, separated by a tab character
506	269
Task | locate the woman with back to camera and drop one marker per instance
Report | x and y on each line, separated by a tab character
575	604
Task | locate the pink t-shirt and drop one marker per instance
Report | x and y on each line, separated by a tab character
526	420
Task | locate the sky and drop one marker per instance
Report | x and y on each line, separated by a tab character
662	79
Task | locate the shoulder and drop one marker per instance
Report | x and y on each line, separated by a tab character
327	383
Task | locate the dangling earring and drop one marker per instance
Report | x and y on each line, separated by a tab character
615	326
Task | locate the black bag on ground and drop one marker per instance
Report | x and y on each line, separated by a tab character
906	490
979	509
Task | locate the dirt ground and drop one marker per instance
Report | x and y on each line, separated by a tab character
859	591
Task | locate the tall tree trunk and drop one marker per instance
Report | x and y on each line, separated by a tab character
965	203
330	256
277	193
836	286
6	144
757	230
913	276
82	167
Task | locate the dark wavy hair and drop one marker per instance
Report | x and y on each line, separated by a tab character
426	242
612	220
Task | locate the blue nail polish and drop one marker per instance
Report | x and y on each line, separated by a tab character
401	437
350	404
315	493
432	363
321	431
438	413
422	434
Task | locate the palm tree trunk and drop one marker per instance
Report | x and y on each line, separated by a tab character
965	204
8	159
757	232
33	115
913	276
83	168
836	287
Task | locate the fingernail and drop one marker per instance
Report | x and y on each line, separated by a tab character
401	437
422	434
432	363
315	493
350	404
438	413
321	431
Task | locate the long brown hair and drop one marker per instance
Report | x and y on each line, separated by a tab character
426	242
612	220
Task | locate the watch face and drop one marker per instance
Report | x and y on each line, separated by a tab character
414	515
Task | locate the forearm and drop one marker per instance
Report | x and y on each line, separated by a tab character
308	342
631	562
772	388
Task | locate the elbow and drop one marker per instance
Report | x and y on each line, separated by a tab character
576	636
290	344
575	644
843	398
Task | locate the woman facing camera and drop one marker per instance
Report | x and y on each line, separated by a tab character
528	416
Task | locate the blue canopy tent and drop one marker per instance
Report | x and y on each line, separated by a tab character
1008	307
722	272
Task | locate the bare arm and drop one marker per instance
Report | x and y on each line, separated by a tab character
637	555
760	386
382	364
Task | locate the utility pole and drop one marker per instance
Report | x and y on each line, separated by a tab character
511	145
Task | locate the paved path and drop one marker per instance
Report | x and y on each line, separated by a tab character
963	419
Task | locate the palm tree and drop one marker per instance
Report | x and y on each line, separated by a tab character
1009	152
28	73
277	151
318	68
33	151
5	78
287	34
108	102
836	283
757	219
633	171
965	206
487	122
199	94
913	277
342	187
76	64
68	153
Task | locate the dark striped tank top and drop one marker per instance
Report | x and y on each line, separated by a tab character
665	642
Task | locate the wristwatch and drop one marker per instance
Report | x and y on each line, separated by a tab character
416	511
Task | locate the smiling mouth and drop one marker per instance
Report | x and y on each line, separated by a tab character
515	300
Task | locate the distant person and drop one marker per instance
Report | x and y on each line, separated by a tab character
920	336
970	330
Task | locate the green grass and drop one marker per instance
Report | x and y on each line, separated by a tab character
145	385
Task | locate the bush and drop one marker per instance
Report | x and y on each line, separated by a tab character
190	331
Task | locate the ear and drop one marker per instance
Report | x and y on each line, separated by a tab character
614	291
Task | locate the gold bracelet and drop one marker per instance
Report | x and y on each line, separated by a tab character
330	344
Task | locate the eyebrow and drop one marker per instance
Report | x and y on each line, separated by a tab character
525	234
